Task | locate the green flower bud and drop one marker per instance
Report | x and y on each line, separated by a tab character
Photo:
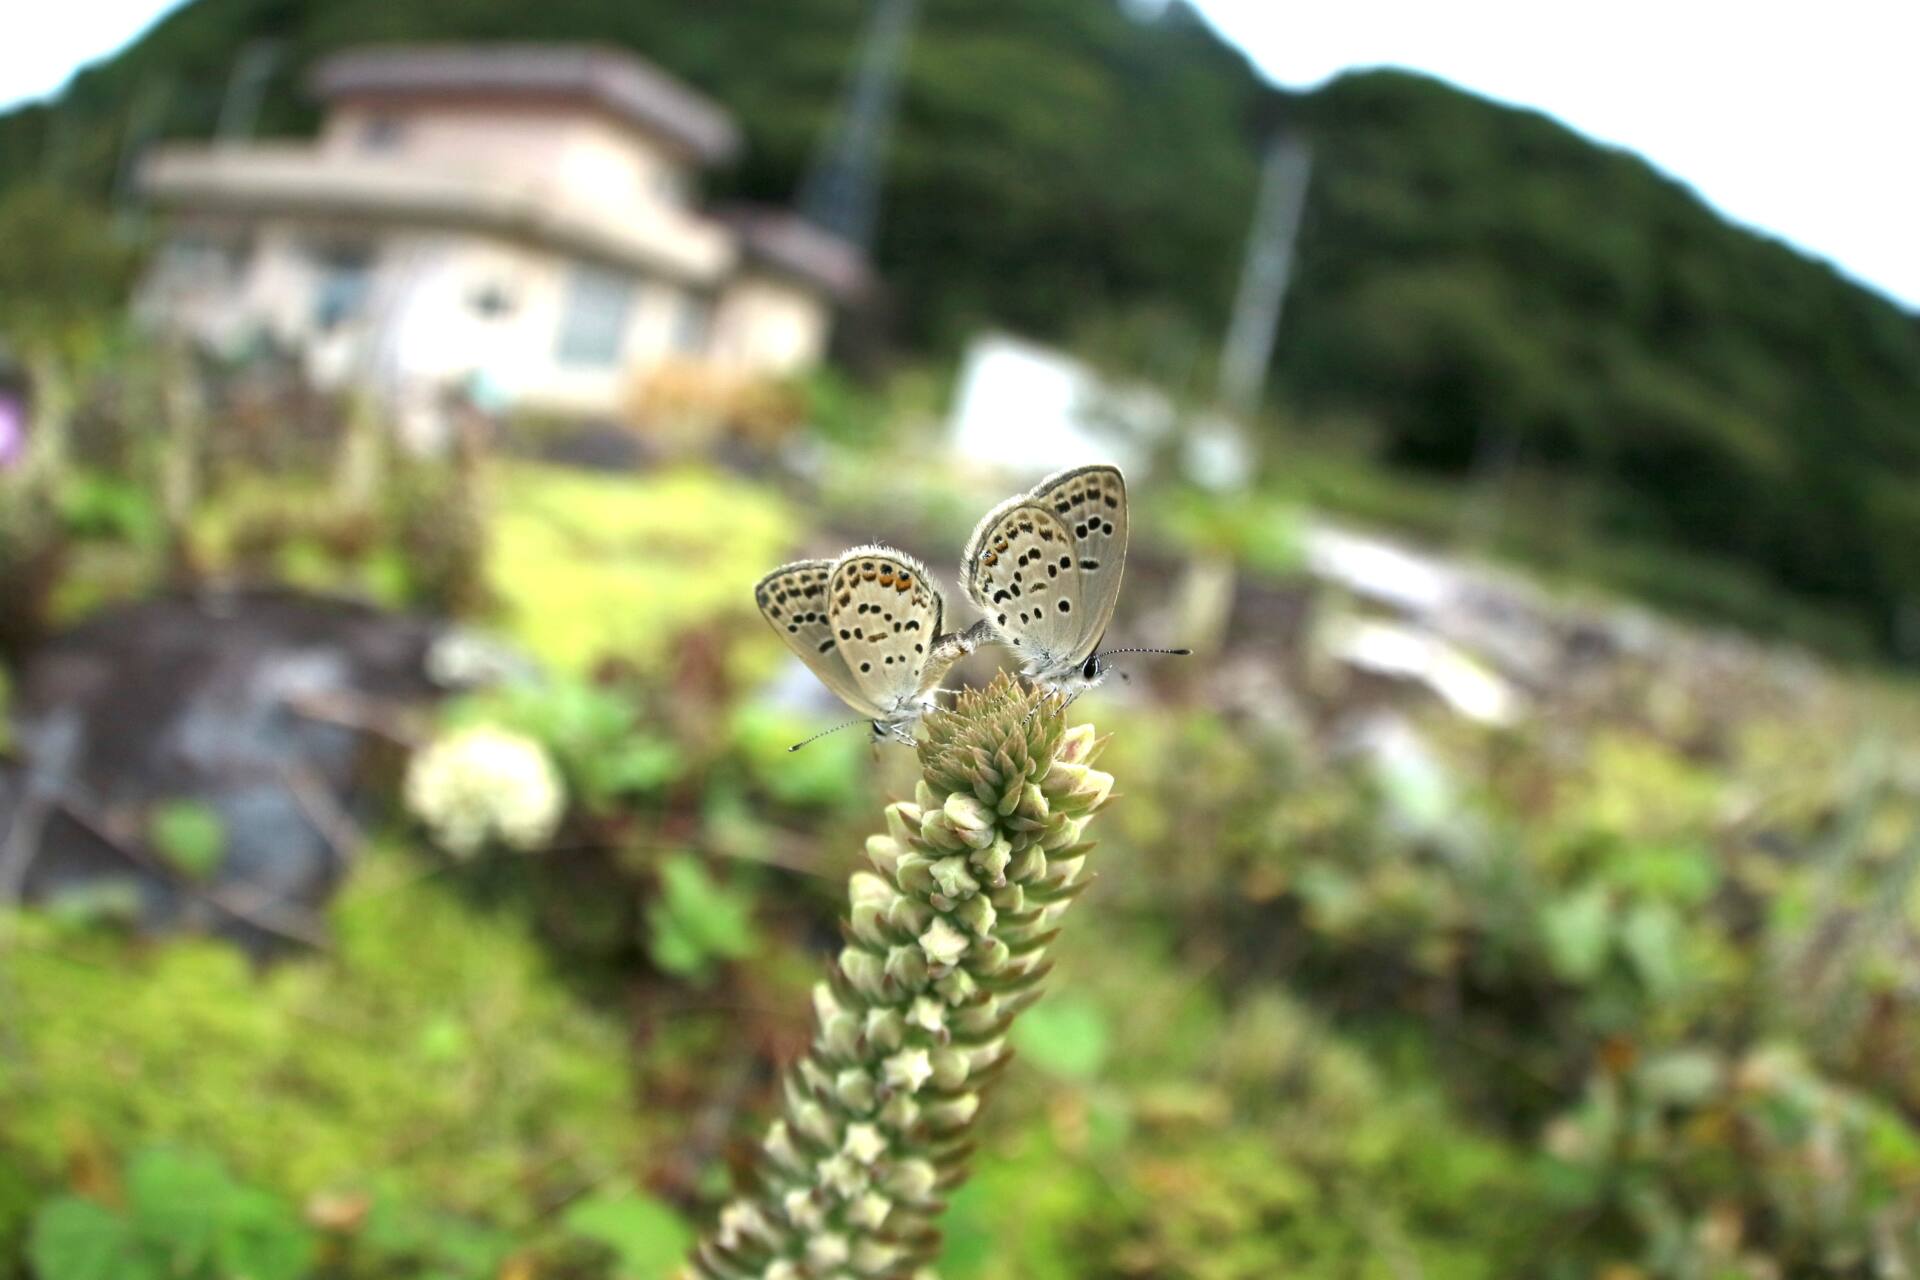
903	823
992	861
973	820
1028	865
884	853
977	1019
1062	872
870	1211
1076	745
907	1069
780	1149
907	966
843	1175
993	954
928	1014
864	972
955	881
900	1113
952	1113
885	1028
937	829
1063	835
813	1076
908	916
943	944
949	1068
956	987
803	1209
1063	779
867	915
812	1120
854	1088
864	1143
914	874
839	1027
876	1257
740	1220
828	1250
911	1180
977	914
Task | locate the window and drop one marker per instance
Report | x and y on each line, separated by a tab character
691	323
345	272
593	325
207	256
669	186
381	133
491	301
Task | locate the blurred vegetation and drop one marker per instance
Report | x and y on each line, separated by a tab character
1481	292
1630	989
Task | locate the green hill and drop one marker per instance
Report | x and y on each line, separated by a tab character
1480	288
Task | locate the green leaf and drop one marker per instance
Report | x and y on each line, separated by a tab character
1576	929
697	922
430	1243
1683	873
188	834
1683	1076
1067	1038
648	1239
1651	938
75	1239
636	767
673	948
261	1239
176	1200
444	1039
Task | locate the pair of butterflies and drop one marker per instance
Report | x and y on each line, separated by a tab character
1043	567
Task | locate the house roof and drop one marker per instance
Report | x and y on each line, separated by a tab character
630	87
788	243
302	182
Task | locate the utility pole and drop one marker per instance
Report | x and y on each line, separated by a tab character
145	118
246	86
841	193
1265	274
1216	448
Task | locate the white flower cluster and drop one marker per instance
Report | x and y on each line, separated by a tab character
484	784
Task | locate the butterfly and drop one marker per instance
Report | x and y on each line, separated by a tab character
869	625
1044	567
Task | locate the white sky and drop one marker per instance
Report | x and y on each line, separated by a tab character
1800	119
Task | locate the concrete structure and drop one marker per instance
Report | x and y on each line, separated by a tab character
518	219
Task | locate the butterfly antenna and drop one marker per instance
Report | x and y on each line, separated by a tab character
1177	653
823	733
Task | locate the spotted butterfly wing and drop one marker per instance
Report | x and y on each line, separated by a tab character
793	599
885	616
1045	566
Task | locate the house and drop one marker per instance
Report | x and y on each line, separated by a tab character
523	220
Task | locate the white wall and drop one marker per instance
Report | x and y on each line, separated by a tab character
764	324
578	155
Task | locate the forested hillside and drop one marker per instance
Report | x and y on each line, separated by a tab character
1480	288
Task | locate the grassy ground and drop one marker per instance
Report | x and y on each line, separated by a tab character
1627	990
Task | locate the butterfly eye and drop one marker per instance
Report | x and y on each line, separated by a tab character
1091	668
